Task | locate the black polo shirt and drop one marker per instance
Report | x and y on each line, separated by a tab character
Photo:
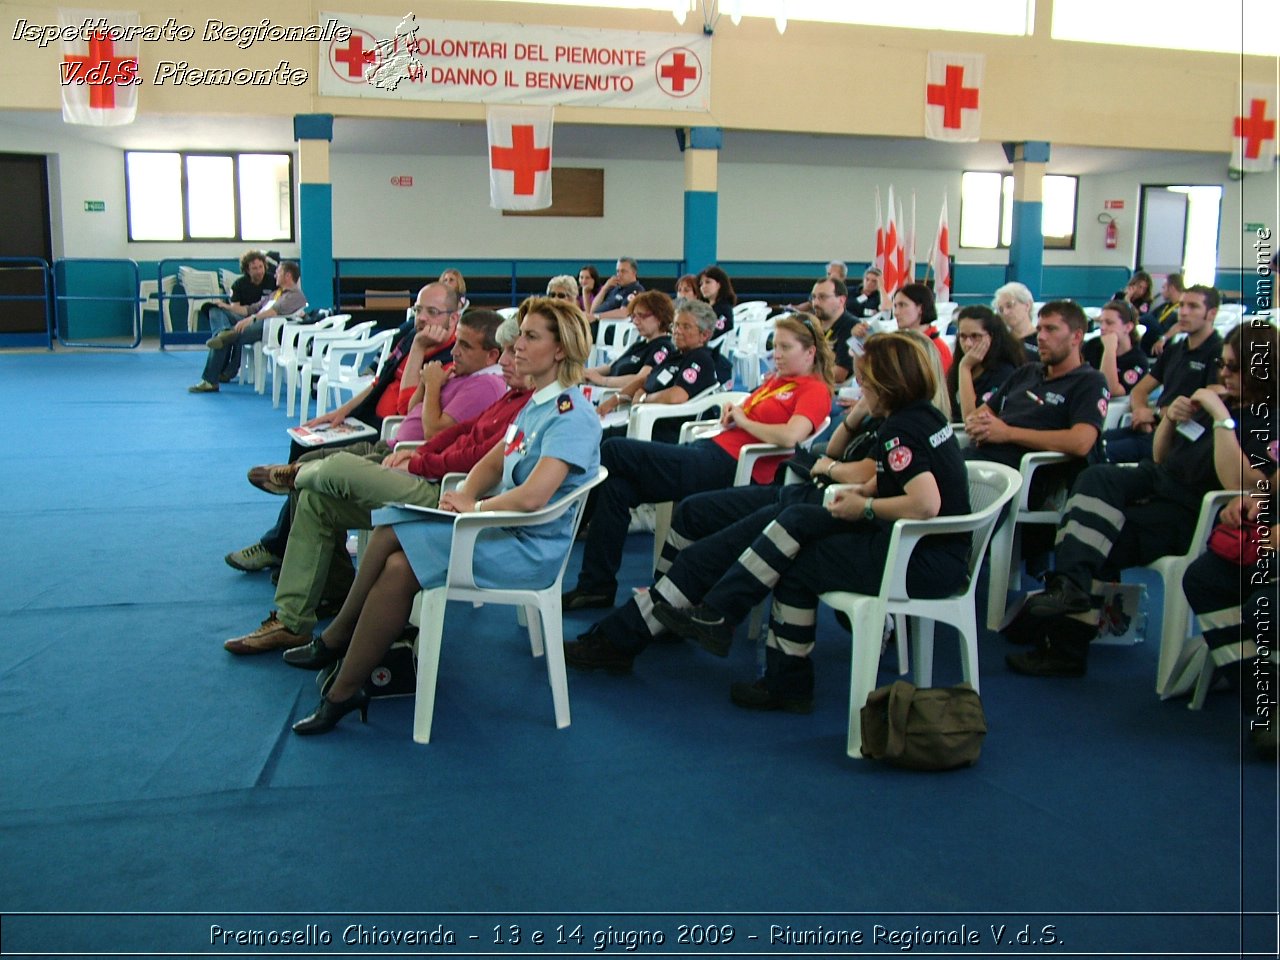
1030	399
1182	371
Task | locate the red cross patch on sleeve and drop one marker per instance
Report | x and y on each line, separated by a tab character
1131	376
899	459
690	375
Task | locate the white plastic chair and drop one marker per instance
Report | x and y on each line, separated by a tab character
751	353
612	339
198	286
991	486
338	376
1183	655
149	295
751	311
1117	414
1006	543
295	343
541	606
315	356
228	279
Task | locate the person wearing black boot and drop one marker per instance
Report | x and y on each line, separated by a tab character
1232	589
810	549
1118	517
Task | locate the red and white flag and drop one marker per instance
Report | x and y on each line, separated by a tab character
879	260
900	251
99	71
520	157
1253	129
940	258
953	88
891	280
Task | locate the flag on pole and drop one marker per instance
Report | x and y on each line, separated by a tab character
889	282
878	263
99	71
940	258
953	87
1253	129
900	252
520	157
911	243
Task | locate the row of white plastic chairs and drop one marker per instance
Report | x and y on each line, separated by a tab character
328	352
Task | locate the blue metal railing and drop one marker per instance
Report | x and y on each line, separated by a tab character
61	265
27	339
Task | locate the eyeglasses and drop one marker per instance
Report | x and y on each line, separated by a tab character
432	312
641	315
560	295
971	336
1231	366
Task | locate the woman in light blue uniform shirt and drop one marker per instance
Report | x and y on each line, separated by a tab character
552	448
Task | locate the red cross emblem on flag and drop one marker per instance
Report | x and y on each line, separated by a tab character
953	84
348	60
99	72
1253	132
679	72
520	157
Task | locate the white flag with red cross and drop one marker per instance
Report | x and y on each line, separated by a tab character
940	258
99	70
891	280
520	157
1253	129
878	263
952	101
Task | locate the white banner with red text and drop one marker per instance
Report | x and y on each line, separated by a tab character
387	58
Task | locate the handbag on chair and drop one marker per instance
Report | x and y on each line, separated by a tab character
938	728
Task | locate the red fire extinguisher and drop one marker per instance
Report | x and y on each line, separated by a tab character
1111	237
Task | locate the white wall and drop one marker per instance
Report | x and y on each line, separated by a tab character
446	212
767	211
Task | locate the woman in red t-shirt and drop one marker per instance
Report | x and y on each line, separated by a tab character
913	309
790	406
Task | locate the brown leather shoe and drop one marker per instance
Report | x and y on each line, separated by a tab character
271	635
277	479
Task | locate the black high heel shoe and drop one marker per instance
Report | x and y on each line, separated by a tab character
328	713
312	656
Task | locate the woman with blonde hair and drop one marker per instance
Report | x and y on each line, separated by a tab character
551	450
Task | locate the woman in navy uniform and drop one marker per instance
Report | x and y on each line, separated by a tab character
811	549
652	313
550	450
986	355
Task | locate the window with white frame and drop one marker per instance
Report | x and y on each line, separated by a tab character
986	210
209	196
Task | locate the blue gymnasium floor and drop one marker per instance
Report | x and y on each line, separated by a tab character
145	770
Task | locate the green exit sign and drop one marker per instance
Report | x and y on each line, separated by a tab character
95	206
1254	227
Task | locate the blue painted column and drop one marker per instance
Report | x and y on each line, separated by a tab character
314	132
701	197
1026	248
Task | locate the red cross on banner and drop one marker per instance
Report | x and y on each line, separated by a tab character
99	71
351	58
953	90
1253	131
679	72
520	157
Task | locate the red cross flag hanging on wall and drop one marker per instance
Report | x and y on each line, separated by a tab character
99	70
1253	129
520	157
952	102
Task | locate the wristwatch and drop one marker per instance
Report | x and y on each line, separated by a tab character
1226	423
867	512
